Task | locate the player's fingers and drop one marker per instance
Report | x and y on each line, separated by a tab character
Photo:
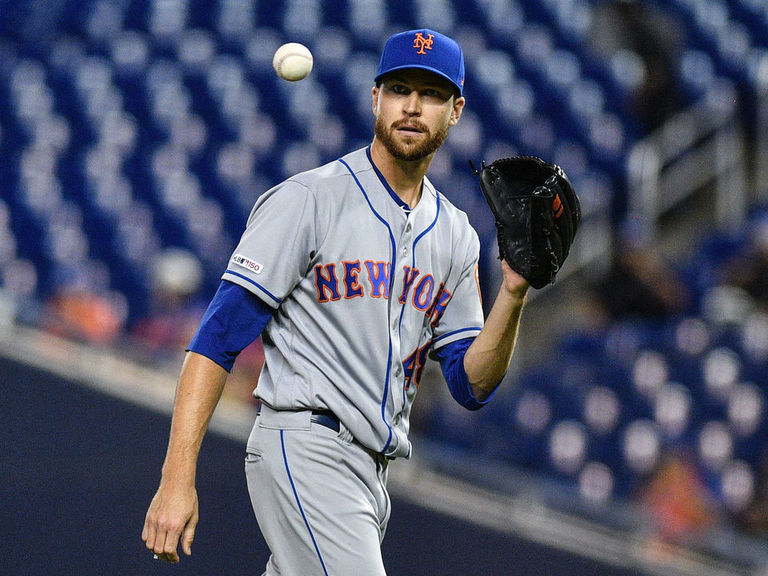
150	529
159	537
145	532
149	532
167	549
172	558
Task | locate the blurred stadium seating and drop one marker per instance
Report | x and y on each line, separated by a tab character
131	126
134	126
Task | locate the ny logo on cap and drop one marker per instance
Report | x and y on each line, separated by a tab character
422	44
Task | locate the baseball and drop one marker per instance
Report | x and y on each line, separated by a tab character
292	61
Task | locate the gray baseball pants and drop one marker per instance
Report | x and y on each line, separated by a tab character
320	497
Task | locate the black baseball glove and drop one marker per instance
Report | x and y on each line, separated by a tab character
537	214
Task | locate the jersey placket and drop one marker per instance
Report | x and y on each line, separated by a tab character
397	312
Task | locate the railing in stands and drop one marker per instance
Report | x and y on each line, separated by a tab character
700	147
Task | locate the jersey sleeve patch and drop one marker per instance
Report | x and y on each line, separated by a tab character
247	263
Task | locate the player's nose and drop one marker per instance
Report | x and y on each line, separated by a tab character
412	104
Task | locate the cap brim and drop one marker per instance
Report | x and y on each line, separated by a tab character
458	88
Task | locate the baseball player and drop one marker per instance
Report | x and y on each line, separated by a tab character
352	273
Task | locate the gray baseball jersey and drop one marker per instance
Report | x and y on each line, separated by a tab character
362	288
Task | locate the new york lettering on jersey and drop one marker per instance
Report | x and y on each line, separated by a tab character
417	288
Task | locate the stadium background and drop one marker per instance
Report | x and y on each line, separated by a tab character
136	135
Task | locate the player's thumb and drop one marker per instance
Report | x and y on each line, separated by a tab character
187	536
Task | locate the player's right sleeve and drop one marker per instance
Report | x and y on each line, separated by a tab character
275	250
463	314
234	318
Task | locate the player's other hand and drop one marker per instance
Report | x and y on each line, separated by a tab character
171	519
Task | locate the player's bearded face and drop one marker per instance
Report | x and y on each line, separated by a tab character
410	149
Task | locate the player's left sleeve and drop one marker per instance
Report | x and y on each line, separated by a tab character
451	358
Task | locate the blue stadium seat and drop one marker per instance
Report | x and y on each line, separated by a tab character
697	73
504	20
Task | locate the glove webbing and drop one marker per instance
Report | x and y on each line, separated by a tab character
547	189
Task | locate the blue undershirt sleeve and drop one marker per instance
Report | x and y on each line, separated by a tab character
234	319
451	358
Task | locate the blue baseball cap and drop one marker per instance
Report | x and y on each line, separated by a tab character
425	49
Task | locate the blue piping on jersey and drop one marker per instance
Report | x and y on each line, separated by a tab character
413	258
391	285
298	502
399	201
434	223
259	286
478	328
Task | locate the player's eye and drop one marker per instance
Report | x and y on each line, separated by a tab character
436	94
400	89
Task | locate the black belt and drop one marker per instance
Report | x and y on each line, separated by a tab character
326	418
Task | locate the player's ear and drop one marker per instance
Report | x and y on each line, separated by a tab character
458	107
375	99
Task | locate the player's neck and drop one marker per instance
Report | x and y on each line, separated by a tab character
404	177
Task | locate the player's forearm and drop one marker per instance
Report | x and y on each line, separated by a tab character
198	392
489	356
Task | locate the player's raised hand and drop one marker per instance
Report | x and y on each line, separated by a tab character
513	281
171	518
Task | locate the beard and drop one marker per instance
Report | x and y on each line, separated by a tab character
409	151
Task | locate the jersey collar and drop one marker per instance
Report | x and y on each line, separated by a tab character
399	201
